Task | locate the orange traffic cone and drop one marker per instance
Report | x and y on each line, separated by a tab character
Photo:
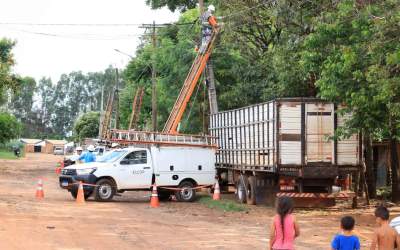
58	168
80	197
217	192
39	190
154	202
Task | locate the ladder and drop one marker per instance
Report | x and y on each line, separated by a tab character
137	138
136	106
105	124
189	86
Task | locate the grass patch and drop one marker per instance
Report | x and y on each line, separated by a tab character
223	205
7	155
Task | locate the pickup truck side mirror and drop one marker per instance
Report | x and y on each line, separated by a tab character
124	162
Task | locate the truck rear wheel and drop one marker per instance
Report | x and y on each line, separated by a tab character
105	190
251	190
240	192
187	194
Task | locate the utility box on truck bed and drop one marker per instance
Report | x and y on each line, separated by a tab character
287	140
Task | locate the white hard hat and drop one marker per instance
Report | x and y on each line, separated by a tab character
90	148
113	145
79	149
211	7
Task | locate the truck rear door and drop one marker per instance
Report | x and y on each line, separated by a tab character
319	127
134	170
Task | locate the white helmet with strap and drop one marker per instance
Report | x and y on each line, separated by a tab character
211	8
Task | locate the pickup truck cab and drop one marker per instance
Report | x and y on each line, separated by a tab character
136	169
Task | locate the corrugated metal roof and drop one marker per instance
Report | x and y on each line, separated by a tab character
30	141
57	142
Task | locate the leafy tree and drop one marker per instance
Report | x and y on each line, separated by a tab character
349	55
21	105
7	79
87	126
10	128
172	4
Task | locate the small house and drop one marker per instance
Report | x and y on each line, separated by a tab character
52	144
33	145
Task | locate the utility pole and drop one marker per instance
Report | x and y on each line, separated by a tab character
101	109
154	80
116	99
153	27
209	78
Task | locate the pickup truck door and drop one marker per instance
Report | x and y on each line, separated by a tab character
134	170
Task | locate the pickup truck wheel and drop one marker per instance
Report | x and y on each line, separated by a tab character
187	194
86	194
251	190
240	192
105	190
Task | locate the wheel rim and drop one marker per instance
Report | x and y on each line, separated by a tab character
105	191
186	193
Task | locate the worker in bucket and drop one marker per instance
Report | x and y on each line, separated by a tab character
88	156
208	23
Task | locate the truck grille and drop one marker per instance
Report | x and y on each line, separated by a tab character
69	171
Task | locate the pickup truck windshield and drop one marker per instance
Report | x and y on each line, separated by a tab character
112	156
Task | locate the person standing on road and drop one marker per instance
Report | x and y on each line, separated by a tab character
88	156
385	237
284	228
346	240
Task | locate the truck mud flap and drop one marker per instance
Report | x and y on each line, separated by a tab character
265	192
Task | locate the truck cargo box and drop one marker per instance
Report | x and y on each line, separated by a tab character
289	136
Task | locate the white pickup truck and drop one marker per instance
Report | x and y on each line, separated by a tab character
136	169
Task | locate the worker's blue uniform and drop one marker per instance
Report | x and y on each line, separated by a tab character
87	157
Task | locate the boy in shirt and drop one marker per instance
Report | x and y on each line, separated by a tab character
346	240
385	237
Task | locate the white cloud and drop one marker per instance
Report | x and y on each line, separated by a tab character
86	48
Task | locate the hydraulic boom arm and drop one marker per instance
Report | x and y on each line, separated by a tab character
189	86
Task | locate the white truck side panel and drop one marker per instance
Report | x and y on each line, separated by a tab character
290	124
347	149
185	162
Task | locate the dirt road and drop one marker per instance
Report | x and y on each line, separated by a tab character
128	222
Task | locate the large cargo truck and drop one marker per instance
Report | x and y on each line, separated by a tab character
285	145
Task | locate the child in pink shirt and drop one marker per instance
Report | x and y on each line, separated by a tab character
284	228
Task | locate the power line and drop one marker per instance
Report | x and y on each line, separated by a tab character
83	36
88	24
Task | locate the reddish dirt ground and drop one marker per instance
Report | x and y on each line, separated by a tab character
58	222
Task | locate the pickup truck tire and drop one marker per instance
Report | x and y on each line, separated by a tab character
188	194
105	190
86	194
251	190
240	192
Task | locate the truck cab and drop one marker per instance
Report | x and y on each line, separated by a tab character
137	169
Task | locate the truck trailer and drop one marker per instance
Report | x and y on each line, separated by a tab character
283	146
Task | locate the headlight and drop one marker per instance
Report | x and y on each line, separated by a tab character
85	171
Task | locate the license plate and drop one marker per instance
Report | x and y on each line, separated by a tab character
64	184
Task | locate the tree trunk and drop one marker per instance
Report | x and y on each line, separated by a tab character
370	174
394	163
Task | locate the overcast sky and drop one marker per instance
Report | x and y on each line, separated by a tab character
53	50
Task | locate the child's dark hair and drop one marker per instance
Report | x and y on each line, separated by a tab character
382	212
283	208
347	223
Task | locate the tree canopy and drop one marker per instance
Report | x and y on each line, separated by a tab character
10	128
87	126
